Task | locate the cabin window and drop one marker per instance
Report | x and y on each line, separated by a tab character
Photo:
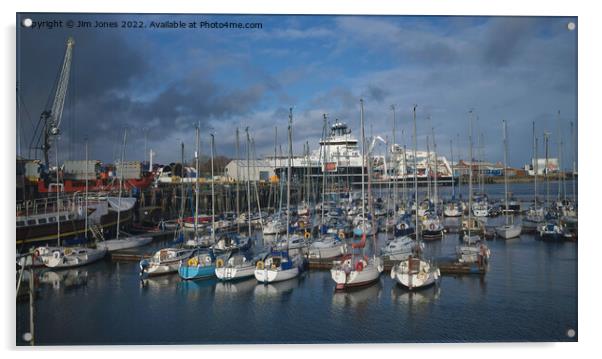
51	219
71	216
42	221
20	223
62	218
31	222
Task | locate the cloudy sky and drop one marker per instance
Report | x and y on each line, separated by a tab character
163	81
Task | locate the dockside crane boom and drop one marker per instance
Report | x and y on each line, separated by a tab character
50	119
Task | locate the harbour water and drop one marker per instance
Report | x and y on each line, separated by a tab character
528	294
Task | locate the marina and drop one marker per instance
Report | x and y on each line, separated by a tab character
203	213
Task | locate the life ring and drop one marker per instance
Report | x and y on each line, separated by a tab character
56	254
422	276
193	262
259	265
359	266
219	263
341	234
307	235
68	251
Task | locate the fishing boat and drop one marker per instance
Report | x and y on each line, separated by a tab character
234	267
357	269
164	261
508	230
198	266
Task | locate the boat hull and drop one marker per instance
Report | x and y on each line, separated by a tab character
119	244
187	272
275	275
508	232
234	273
355	278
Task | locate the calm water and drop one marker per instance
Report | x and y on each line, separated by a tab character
528	294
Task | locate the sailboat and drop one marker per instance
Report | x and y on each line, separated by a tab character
550	229
60	256
168	260
357	270
414	272
234	267
129	241
202	263
508	230
278	265
474	251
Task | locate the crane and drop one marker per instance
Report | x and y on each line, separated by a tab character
50	118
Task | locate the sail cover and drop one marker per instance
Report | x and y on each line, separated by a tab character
123	204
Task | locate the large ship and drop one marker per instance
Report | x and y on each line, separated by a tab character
339	155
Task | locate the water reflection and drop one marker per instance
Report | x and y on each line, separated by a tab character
66	279
160	283
400	295
195	289
279	290
229	289
357	298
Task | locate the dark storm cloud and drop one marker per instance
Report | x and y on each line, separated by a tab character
505	38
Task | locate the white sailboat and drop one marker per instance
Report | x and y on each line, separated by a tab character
279	266
414	272
357	270
508	230
234	268
128	241
474	250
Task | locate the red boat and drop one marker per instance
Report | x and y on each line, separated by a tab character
98	185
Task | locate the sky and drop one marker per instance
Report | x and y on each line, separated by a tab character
158	84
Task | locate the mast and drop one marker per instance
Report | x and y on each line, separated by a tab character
546	136
86	195
288	176
363	164
308	182
196	184
238	179
417	230
256	183
120	183
58	200
427	172
182	196
324	159
470	175
535	166
275	165
249	180
505	169
212	191
397	162
573	137
558	177
451	147
436	170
